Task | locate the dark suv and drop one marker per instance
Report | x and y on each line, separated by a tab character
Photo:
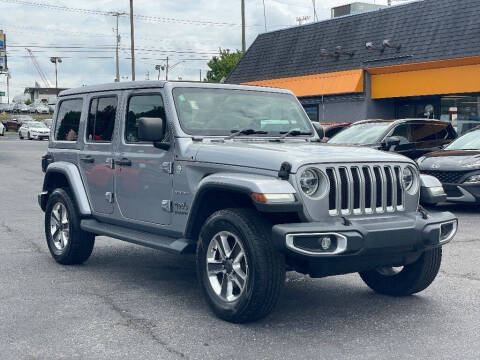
410	137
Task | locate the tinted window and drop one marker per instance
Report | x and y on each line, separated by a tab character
431	132
68	120
404	133
101	119
142	106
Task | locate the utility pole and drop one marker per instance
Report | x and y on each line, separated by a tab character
243	27
56	60
200	75
8	87
264	16
117	37
315	18
132	40
166	70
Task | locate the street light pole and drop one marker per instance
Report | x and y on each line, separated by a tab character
56	60
243	27
132	40
117	37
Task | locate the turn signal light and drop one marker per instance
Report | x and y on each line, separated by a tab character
273	198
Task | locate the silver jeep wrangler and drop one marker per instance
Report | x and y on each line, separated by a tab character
238	175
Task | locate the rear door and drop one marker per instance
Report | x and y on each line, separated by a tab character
96	158
143	179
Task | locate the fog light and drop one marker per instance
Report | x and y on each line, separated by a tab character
326	242
448	231
317	244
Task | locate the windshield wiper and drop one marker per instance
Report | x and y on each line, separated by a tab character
292	132
245	132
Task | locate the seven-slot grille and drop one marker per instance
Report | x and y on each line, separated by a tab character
365	189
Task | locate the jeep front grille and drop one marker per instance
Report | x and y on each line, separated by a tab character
365	189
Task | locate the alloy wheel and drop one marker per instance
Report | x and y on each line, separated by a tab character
59	226
227	266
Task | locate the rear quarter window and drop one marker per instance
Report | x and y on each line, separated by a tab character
68	120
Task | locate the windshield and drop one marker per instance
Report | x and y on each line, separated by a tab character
37	125
361	134
25	118
220	112
469	141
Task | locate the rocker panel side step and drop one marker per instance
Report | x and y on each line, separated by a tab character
159	242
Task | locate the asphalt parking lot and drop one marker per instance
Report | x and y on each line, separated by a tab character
135	303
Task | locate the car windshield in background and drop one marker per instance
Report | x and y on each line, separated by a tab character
469	141
25	118
361	134
221	112
37	125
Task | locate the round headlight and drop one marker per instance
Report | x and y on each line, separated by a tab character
309	182
408	178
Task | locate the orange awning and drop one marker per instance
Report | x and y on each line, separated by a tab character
341	82
388	83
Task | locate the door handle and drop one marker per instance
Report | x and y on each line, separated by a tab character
123	162
88	159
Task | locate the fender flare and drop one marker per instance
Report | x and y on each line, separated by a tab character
71	172
245	184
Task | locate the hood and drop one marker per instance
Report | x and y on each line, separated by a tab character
450	160
270	155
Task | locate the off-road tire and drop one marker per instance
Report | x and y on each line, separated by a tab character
266	265
80	243
28	136
20	135
412	279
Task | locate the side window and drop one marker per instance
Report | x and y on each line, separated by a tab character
404	133
101	119
68	120
148	105
430	132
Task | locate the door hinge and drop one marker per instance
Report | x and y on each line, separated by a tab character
109	196
167	205
167	167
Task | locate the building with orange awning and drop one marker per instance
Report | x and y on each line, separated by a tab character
420	59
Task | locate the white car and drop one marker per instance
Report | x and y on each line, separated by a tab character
34	130
2	129
42	109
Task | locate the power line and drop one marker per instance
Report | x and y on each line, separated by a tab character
137	16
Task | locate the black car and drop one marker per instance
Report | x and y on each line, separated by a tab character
457	167
409	137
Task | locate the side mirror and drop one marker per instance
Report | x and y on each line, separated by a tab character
153	130
391	142
319	129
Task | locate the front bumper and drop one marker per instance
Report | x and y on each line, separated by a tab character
463	193
365	243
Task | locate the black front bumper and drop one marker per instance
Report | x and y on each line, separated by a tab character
371	242
462	193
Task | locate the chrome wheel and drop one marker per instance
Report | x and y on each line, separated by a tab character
390	271
59	226
227	266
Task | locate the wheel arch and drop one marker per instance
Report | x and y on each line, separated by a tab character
64	174
233	190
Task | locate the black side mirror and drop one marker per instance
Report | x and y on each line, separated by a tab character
153	130
319	129
391	142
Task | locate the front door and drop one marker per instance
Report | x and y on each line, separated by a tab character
96	159
143	182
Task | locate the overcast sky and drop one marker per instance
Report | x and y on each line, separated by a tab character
190	31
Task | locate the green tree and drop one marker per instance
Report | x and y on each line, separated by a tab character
221	66
28	102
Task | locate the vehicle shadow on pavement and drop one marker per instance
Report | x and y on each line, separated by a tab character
455	208
319	303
